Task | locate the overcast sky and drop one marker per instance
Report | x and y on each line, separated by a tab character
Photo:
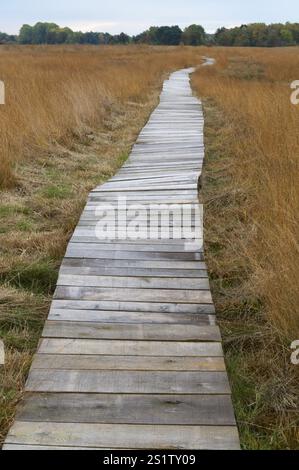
134	16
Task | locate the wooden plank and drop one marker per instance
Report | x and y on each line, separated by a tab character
111	237
130	348
75	251
153	180
97	316
150	173
136	382
128	409
133	264
136	248
132	272
137	363
144	197
146	200
124	331
134	295
122	306
121	222
157	187
124	436
132	282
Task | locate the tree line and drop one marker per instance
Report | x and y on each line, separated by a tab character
51	33
7	38
259	35
255	35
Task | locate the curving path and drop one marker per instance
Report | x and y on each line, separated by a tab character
131	357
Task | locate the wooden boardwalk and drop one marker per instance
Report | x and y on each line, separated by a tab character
131	356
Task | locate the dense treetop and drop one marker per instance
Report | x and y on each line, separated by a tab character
7	38
259	34
255	34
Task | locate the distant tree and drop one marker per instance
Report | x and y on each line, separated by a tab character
258	33
294	28
194	35
104	38
160	35
242	36
224	37
273	36
287	36
210	39
40	32
91	38
169	35
7	38
153	35
64	35
123	38
26	33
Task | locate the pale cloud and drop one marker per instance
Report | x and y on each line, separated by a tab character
86	26
113	27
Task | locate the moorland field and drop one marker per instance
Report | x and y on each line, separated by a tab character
71	115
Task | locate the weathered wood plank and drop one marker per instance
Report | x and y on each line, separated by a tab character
91	251
124	331
121	436
215	410
137	363
133	272
142	246
144	264
130	348
135	295
97	316
126	306
113	381
132	282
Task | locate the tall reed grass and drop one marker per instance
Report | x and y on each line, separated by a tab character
252	87
54	93
251	197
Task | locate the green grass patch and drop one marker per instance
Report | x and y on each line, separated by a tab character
24	226
9	210
123	158
57	192
39	277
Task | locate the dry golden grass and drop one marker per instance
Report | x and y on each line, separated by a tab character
251	194
71	116
54	93
253	89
